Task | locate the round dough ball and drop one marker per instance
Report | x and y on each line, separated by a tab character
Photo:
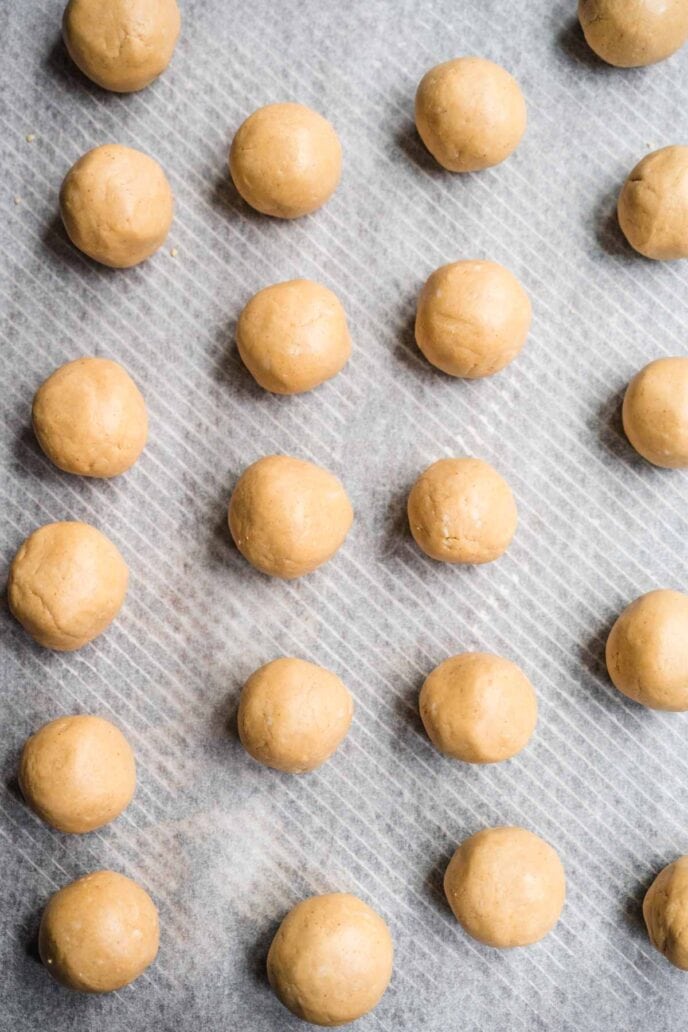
653	205
478	708
77	773
286	160
655	412
67	583
506	887
99	933
665	909
462	511
293	336
647	650
473	318
470	113
288	516
331	959
90	418
293	715
631	33
122	45
116	205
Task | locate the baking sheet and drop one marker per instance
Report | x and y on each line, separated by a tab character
224	846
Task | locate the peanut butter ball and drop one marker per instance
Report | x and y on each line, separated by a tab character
665	909
655	412
631	33
653	205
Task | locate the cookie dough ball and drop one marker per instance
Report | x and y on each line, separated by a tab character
122	45
462	511
293	336
665	909
77	773
67	583
288	516
653	205
470	113
478	708
473	318
331	959
99	933
286	160
90	418
506	887
631	33
116	205
655	412
647	650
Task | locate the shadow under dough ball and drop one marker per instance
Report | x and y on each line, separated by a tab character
653	205
632	33
655	412
116	205
665	910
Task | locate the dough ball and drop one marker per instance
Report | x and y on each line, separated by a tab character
665	909
470	113
288	516
655	412
116	205
122	45
293	715
506	887
286	160
67	583
99	933
90	418
478	708
293	336
630	33
462	511
473	318
77	773
647	650
653	205
331	959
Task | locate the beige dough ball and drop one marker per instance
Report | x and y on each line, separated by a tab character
665	909
67	583
122	45
655	412
473	318
478	708
286	160
630	33
293	715
90	418
116	205
470	113
647	650
99	933
77	773
506	887
331	959
288	516
293	336
462	511
653	205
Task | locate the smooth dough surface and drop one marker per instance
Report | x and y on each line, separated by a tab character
293	714
293	336
472	319
470	113
121	45
655	412
77	773
288	516
67	583
116	205
631	33
665	909
331	959
647	650
286	160
653	205
90	418
99	933
478	707
506	886
462	511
